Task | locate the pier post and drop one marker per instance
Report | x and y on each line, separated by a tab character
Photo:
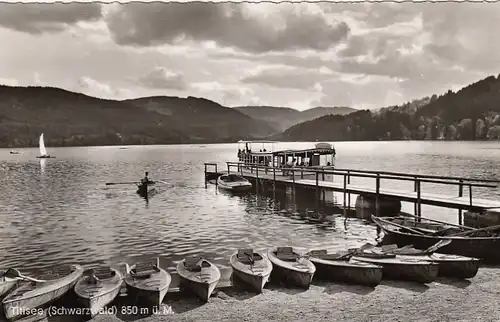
317	185
345	188
274	177
206	176
348	177
419	206
257	176
460	194
228	167
377	189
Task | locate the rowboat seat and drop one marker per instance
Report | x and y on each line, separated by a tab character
248	256
286	254
144	269
195	264
318	253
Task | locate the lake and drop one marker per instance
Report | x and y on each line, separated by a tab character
59	211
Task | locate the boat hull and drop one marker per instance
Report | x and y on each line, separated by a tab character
236	186
45	157
417	270
455	266
487	249
256	275
30	296
146	191
149	291
299	273
96	296
201	283
348	271
6	285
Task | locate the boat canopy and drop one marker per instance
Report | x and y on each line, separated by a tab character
306	152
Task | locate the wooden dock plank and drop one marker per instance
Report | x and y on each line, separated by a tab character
408	196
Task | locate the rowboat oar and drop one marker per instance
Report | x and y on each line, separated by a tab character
438	221
436	246
114	183
465	233
14	273
398	225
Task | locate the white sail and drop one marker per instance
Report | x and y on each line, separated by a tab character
43	151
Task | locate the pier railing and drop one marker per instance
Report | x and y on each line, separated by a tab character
319	174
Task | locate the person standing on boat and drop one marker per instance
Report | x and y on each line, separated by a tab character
145	181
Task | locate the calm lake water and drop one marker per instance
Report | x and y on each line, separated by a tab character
59	211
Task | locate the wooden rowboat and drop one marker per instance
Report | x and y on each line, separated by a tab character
288	265
233	182
341	268
405	231
148	283
38	293
455	266
252	268
199	276
98	287
399	268
6	283
146	191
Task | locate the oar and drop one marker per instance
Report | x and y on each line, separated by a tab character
403	227
114	183
437	221
14	273
464	233
436	246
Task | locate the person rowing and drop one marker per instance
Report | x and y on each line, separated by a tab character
145	181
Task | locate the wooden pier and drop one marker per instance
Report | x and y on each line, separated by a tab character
323	179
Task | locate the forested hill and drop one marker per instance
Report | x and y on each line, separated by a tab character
472	113
74	119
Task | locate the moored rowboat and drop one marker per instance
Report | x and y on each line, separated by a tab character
38	293
6	283
290	266
252	268
233	182
199	276
147	282
399	268
401	231
98	287
341	268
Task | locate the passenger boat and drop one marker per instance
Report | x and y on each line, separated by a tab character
233	182
340	267
98	287
288	265
147	282
38	293
483	243
320	155
252	268
14	152
199	276
398	268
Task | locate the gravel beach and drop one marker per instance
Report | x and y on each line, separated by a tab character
443	300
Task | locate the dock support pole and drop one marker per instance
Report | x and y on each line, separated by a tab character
206	176
324	190
419	205
460	194
274	177
377	191
349	194
345	188
317	185
257	176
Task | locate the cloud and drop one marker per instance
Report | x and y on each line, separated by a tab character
38	18
93	87
9	82
287	77
162	78
226	94
228	25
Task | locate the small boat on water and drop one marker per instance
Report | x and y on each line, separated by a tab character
483	243
290	266
252	268
146	190
340	267
148	282
449	265
37	292
6	283
43	150
14	152
398	268
199	276
98	287
233	182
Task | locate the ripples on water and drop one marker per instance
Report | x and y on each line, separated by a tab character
59	211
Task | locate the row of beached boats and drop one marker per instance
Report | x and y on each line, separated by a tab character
148	283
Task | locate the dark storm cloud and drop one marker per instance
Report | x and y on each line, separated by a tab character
37	18
226	24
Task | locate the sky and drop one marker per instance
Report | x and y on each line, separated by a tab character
297	55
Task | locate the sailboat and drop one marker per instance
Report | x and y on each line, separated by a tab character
43	150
